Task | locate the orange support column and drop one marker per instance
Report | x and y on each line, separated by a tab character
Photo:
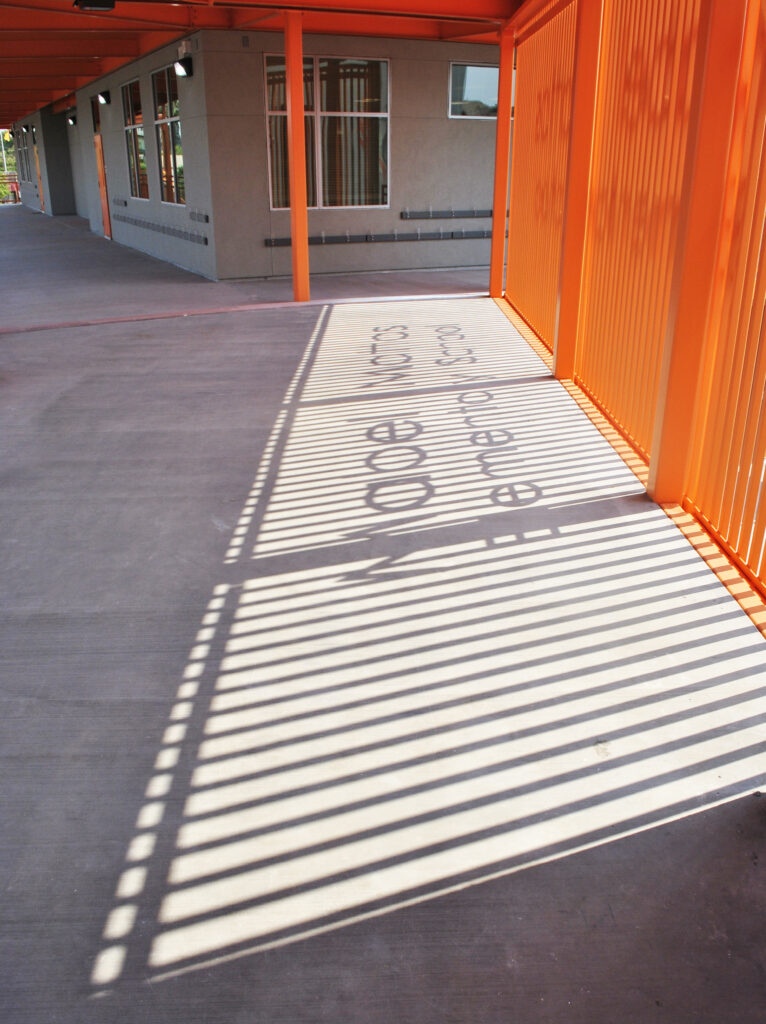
704	192
98	145
39	178
296	152
587	51
502	164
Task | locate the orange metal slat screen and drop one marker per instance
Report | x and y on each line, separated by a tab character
640	136
543	101
726	487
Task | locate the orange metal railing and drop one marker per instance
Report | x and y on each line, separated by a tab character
726	483
544	69
659	290
639	145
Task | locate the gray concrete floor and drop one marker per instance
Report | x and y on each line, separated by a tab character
285	738
88	280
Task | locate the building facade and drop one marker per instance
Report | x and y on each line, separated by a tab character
192	169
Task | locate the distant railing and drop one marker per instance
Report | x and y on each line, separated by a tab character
9	188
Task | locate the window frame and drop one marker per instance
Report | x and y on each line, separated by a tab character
23	163
95	115
470	117
158	121
317	113
130	127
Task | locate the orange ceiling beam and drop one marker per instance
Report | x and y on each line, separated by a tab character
39	96
65	44
442	10
31	85
55	67
385	25
48	48
49	14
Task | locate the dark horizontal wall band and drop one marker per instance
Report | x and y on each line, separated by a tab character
396	236
198	215
163	229
442	214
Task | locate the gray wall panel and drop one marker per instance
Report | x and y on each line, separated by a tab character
77	156
55	164
434	161
240	187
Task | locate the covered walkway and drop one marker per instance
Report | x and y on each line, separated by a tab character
349	675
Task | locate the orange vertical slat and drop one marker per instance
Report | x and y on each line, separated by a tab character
296	148
642	120
544	72
39	179
502	165
641	284
739	157
726	485
722	39
102	190
587	49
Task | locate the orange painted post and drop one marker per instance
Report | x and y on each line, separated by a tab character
705	177
296	152
102	189
587	51
39	178
502	165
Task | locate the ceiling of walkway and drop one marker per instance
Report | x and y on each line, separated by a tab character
50	48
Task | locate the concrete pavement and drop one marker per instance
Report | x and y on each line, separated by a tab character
348	675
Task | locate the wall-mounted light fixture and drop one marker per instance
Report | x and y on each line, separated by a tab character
104	97
184	67
72	120
25	128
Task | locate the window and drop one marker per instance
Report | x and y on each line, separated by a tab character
22	149
134	139
168	127
473	90
346	138
16	135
